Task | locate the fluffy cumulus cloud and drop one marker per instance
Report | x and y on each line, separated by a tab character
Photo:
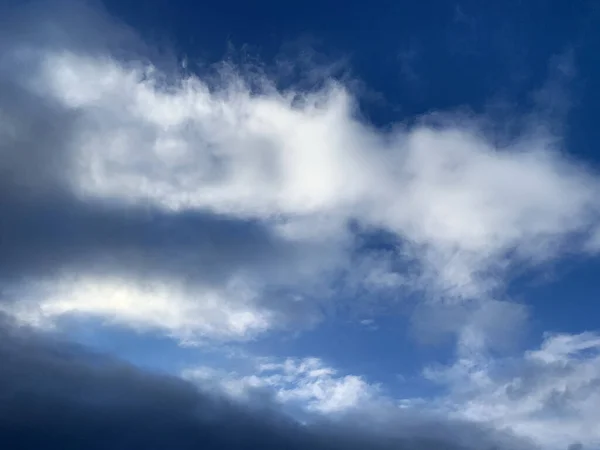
220	207
308	382
549	395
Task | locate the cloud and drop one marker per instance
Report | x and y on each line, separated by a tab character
546	396
308	383
59	396
549	394
219	206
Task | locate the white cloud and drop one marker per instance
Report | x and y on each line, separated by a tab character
165	306
303	165
308	383
314	392
295	155
550	395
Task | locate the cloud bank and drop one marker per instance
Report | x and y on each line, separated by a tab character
216	206
58	396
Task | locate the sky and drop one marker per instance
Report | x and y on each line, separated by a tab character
325	225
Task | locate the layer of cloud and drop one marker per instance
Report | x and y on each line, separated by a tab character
547	395
59	396
236	198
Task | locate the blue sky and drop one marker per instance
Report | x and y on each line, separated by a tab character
384	210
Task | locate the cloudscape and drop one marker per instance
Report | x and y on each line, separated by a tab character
330	225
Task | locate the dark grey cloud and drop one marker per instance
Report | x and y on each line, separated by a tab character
59	396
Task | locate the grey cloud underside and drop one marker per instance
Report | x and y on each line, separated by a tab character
58	396
48	232
45	230
57	234
38	205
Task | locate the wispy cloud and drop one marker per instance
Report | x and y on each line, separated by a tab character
546	395
308	383
138	145
549	394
